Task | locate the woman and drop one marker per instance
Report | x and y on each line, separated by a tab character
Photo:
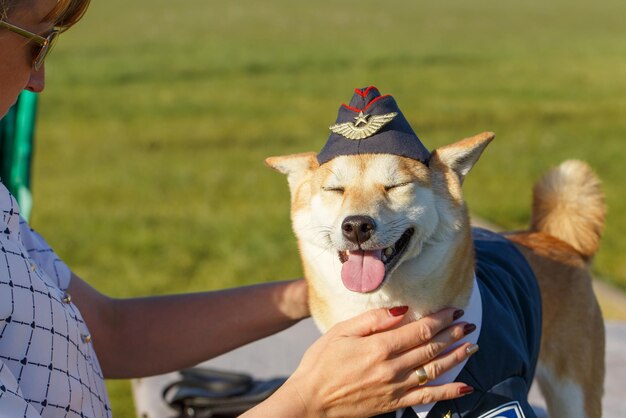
52	323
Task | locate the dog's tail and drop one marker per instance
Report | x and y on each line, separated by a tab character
568	203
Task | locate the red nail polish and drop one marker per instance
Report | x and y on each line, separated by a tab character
398	310
457	314
468	329
466	390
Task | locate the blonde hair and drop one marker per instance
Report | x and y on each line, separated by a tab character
64	14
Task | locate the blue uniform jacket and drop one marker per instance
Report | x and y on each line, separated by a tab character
502	371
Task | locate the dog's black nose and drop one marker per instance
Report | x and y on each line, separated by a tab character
358	228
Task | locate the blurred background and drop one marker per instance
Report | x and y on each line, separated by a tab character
157	116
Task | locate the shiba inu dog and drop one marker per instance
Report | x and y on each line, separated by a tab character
381	222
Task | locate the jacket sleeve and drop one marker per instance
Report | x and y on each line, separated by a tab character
12	403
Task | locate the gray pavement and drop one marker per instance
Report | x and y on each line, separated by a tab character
614	402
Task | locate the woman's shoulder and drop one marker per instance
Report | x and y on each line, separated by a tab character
25	246
10	212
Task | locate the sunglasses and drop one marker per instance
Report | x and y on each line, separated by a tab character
45	44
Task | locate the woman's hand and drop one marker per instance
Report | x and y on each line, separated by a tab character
293	301
365	366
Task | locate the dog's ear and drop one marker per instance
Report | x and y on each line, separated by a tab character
461	156
295	166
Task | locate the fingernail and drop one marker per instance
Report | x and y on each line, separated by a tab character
398	310
466	390
468	328
457	314
471	350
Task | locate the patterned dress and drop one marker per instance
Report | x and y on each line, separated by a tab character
48	367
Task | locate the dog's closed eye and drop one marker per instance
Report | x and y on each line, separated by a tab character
397	185
335	189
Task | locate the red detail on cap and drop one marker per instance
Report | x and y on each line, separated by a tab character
354	109
363	93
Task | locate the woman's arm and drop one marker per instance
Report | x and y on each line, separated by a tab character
153	335
360	367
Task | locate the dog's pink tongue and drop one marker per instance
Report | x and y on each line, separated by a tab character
363	272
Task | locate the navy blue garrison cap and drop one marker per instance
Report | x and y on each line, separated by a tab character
372	124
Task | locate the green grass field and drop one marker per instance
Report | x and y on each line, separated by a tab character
149	174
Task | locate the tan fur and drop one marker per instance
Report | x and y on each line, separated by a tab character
317	302
569	204
572	346
437	268
461	156
567	222
449	165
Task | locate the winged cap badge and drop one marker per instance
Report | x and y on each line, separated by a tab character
363	126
